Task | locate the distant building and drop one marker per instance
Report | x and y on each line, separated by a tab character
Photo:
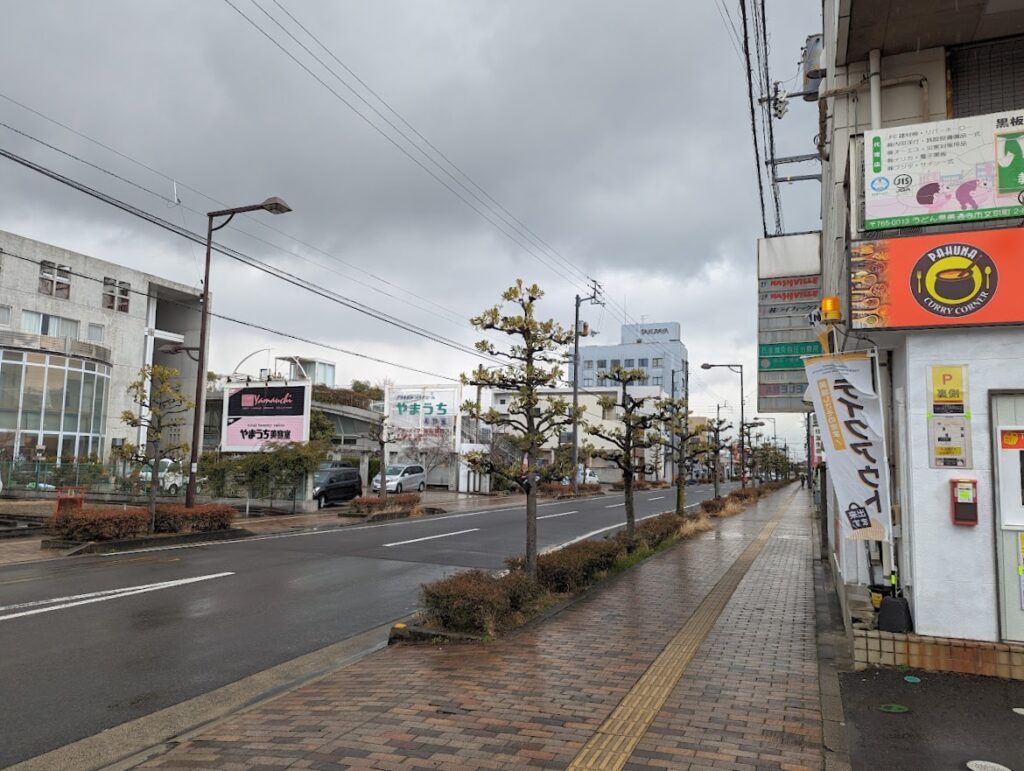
316	371
654	348
74	332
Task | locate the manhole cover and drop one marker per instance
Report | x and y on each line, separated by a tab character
894	709
985	765
912	679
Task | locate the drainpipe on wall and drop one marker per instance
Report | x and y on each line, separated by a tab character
875	76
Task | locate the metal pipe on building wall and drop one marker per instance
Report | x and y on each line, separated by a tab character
875	74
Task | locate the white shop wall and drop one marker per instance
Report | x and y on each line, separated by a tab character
953	567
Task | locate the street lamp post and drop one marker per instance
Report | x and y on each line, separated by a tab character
575	455
743	447
274	206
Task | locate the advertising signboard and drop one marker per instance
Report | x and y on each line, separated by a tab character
950	279
785	305
959	170
849	410
265	414
418	412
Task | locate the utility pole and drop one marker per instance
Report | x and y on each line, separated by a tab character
595	291
679	457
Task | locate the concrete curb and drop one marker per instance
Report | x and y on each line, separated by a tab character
129	744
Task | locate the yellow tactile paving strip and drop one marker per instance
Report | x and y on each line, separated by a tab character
610	748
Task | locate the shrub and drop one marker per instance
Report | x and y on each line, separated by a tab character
100	524
473	602
743	495
656	530
521	590
576	566
712	505
205	518
558	490
370	504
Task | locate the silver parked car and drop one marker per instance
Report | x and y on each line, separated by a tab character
402	478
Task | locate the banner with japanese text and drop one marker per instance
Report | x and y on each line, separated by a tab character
261	415
849	411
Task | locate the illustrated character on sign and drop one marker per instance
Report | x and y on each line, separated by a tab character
934	196
971	193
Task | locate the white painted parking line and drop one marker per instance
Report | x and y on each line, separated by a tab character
432	537
60	603
552	516
615	505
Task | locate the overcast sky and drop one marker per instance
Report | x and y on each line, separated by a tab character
617	132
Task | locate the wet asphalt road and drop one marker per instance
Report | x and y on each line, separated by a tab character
78	657
953	719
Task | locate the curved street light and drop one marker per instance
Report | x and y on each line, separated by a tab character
743	447
274	205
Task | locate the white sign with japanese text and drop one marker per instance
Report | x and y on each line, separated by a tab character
420	412
947	171
849	411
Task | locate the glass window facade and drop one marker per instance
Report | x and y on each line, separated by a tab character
51	406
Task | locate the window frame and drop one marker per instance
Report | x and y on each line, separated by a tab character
54	280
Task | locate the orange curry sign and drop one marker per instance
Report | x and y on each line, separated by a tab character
950	279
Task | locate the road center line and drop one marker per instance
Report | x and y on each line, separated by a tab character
659	498
432	537
615	505
60	603
552	516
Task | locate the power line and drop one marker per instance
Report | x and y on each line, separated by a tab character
250	324
482	212
511	219
753	120
221	204
202	214
245	259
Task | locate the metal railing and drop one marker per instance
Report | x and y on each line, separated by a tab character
62	345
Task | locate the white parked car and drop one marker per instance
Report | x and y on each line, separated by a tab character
401	478
172	479
589	478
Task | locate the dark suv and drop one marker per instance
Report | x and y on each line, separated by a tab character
334	485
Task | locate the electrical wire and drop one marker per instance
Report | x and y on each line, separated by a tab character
250	324
482	212
221	204
753	120
245	259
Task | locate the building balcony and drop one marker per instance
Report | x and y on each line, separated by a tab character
29	341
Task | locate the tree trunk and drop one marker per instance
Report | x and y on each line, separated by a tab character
531	516
154	483
627	487
715	469
680	492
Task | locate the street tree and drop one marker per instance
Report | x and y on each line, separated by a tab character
161	412
636	429
529	419
321	427
383	433
714	443
431	449
677	424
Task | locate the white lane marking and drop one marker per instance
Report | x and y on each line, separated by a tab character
86	599
615	505
325	531
562	514
432	537
592	533
659	498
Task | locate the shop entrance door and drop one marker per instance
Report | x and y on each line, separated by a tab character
1008	451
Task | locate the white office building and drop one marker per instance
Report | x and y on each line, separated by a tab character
653	347
74	333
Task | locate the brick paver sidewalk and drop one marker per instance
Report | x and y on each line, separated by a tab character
642	673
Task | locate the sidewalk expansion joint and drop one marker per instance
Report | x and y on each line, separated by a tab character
610	748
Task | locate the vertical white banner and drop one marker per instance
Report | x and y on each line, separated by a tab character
849	411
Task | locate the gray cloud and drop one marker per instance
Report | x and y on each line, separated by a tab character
617	131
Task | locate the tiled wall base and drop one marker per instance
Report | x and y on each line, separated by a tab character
937	654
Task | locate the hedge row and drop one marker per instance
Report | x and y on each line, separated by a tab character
643	484
558	490
741	496
368	504
117	523
204	518
477	602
